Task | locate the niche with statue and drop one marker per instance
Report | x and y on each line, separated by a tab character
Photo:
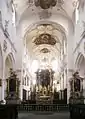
12	89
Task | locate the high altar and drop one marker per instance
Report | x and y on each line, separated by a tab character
44	85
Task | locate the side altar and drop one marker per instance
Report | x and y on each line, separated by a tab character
12	89
76	89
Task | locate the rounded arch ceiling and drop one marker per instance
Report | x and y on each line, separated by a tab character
28	13
38	5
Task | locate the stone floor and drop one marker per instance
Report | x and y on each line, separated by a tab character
44	116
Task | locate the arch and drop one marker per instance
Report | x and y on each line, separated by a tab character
62	20
9	63
55	13
79	59
80	64
34	25
12	58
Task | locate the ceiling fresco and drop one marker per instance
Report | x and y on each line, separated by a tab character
45	39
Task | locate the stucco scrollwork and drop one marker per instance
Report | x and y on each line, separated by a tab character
46	4
45	50
6	29
4	46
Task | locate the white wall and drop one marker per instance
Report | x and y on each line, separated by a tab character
79	44
6	14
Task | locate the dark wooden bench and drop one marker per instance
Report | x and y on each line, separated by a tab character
8	112
77	111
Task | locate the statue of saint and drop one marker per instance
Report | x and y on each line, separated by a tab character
12	85
77	83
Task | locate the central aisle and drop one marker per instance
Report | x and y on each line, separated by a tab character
44	116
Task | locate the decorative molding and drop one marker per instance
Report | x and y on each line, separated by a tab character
44	14
81	4
75	3
45	50
6	29
79	43
83	34
46	4
5	46
9	4
7	35
82	37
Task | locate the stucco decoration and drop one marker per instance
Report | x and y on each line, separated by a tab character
4	46
46	4
45	50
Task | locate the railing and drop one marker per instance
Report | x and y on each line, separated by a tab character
11	111
77	111
42	108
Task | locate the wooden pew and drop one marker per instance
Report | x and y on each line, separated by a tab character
77	111
8	112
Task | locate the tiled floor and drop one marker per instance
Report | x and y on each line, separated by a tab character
44	116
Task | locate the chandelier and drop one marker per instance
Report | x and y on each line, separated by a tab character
46	4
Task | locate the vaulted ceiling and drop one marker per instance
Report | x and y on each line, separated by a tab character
33	6
44	24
